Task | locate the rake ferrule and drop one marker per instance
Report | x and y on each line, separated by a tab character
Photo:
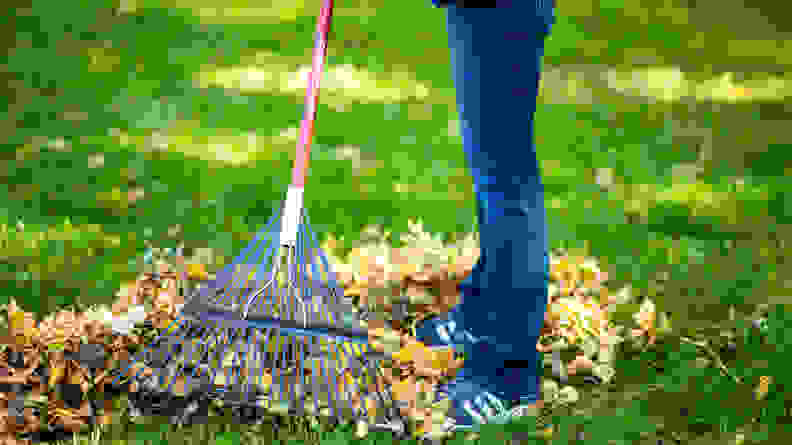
292	214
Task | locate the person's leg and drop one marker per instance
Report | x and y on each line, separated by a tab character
496	58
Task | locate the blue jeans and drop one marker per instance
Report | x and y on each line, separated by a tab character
496	58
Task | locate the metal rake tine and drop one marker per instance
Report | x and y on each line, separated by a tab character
331	387
305	246
179	367
257	254
351	334
226	274
359	379
190	358
282	364
288	338
257	359
171	351
217	331
312	247
220	351
297	366
141	353
235	362
301	263
290	269
341	380
301	373
333	289
267	339
331	279
233	346
299	278
246	358
273	276
226	278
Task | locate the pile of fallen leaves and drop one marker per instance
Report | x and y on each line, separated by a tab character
59	362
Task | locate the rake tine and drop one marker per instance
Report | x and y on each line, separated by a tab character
251	360
278	351
255	360
257	254
316	273
178	368
289	340
226	274
331	279
343	399
304	280
330	384
141	353
235	362
314	375
301	376
167	359
268	338
345	357
218	336
189	359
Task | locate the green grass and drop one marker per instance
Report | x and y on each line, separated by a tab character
651	221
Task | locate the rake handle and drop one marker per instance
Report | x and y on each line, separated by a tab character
312	96
292	212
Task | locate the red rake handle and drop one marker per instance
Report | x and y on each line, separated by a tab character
307	126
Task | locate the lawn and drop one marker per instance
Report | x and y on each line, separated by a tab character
172	115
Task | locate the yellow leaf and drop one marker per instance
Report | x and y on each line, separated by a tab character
265	380
442	358
353	290
763	387
57	374
197	271
403	390
410	352
17	321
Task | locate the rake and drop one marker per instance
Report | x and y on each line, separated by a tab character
257	309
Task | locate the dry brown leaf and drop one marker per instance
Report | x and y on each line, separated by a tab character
9	438
21	324
71	424
104	419
57	373
580	363
79	376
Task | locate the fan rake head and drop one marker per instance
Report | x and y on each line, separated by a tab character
273	332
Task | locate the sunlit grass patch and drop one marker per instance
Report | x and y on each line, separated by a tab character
341	85
227	146
701	198
234	11
51	249
670	84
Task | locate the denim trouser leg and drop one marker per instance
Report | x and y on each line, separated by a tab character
496	58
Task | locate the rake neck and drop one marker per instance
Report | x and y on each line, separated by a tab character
292	216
